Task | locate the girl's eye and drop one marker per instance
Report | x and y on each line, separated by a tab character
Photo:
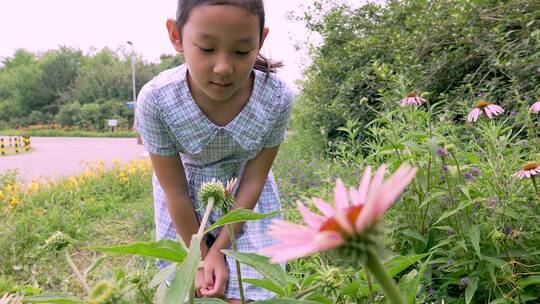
243	53
206	50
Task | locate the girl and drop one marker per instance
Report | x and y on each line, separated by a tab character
222	114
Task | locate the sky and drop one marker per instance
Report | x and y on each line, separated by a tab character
38	25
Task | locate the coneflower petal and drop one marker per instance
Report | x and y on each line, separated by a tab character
324	207
312	219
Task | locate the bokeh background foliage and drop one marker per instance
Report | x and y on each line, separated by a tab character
449	48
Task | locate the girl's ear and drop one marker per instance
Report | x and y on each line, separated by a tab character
174	35
263	37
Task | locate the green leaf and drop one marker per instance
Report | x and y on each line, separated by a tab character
268	285
471	289
285	301
209	301
239	215
495	261
165	249
474	235
449	213
399	263
530	280
60	297
185	275
406	283
94	265
409	284
415	235
272	272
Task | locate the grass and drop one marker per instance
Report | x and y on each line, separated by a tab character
98	207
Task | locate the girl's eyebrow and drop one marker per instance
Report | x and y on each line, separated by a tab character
241	40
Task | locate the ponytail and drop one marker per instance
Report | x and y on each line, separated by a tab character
267	65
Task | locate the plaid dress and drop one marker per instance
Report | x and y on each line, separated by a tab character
170	122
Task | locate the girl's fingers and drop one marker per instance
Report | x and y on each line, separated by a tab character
208	277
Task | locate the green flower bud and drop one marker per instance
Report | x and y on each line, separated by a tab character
497	236
333	277
213	189
58	241
104	292
449	147
356	247
227	203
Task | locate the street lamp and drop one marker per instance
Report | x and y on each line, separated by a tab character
133	71
134	102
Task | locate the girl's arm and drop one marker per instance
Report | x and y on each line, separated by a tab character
249	190
172	178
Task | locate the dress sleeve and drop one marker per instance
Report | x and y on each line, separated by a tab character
278	129
150	125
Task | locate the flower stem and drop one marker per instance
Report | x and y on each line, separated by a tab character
375	266
209	208
76	272
238	272
192	294
306	291
533	179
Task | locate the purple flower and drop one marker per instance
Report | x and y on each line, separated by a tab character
431	292
444	168
464	281
475	171
507	230
538	70
441	152
527	97
492	201
479	95
513	114
468	176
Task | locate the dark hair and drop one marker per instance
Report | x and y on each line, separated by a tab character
255	7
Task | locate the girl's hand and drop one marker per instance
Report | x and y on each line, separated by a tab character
199	282
215	275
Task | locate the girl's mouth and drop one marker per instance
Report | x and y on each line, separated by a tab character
221	84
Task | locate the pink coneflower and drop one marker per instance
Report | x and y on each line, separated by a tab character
528	171
353	213
411	100
486	107
535	108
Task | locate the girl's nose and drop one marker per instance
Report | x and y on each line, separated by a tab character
223	65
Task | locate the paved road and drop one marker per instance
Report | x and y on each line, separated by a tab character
62	156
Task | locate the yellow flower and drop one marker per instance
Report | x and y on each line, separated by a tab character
116	161
14	201
9	189
2	196
73	182
34	186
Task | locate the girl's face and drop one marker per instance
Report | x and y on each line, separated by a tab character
220	44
